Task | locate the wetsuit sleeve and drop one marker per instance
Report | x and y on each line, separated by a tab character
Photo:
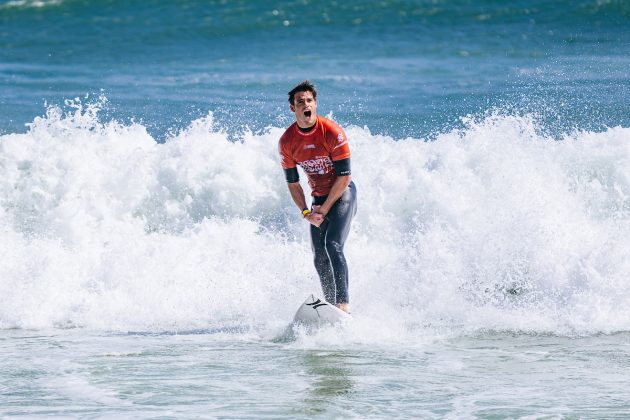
342	167
291	175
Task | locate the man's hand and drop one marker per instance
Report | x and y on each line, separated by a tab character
314	218
318	210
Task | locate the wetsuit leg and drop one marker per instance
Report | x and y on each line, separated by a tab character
322	263
328	242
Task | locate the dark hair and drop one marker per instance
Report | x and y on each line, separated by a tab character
305	86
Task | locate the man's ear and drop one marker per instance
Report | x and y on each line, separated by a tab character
292	107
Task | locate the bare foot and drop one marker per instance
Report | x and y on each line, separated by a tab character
344	307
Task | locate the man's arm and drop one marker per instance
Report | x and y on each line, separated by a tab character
337	190
297	194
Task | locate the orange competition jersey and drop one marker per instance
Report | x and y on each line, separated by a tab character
315	152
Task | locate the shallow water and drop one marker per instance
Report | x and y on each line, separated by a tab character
86	374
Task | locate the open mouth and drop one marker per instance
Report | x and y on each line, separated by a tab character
307	114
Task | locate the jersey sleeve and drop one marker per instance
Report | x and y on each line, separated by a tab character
337	142
286	160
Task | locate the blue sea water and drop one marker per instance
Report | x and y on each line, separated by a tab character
152	257
403	68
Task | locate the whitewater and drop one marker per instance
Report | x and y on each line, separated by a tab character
496	226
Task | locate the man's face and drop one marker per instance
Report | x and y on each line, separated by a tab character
305	108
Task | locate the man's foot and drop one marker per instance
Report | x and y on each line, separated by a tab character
344	307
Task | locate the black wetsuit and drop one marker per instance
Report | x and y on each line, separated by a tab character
327	242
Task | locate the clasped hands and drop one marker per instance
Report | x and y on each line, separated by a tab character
316	217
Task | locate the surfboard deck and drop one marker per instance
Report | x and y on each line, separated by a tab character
316	311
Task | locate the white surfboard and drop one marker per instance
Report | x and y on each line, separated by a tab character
316	311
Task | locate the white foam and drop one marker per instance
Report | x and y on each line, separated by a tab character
29	4
495	226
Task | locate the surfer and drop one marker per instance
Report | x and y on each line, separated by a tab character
321	148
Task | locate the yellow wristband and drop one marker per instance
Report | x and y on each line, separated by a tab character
305	212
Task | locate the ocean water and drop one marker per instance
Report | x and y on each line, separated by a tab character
152	258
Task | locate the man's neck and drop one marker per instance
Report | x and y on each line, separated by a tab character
306	129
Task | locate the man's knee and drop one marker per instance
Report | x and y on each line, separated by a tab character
334	247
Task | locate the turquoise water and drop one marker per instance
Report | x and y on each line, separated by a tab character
152	257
